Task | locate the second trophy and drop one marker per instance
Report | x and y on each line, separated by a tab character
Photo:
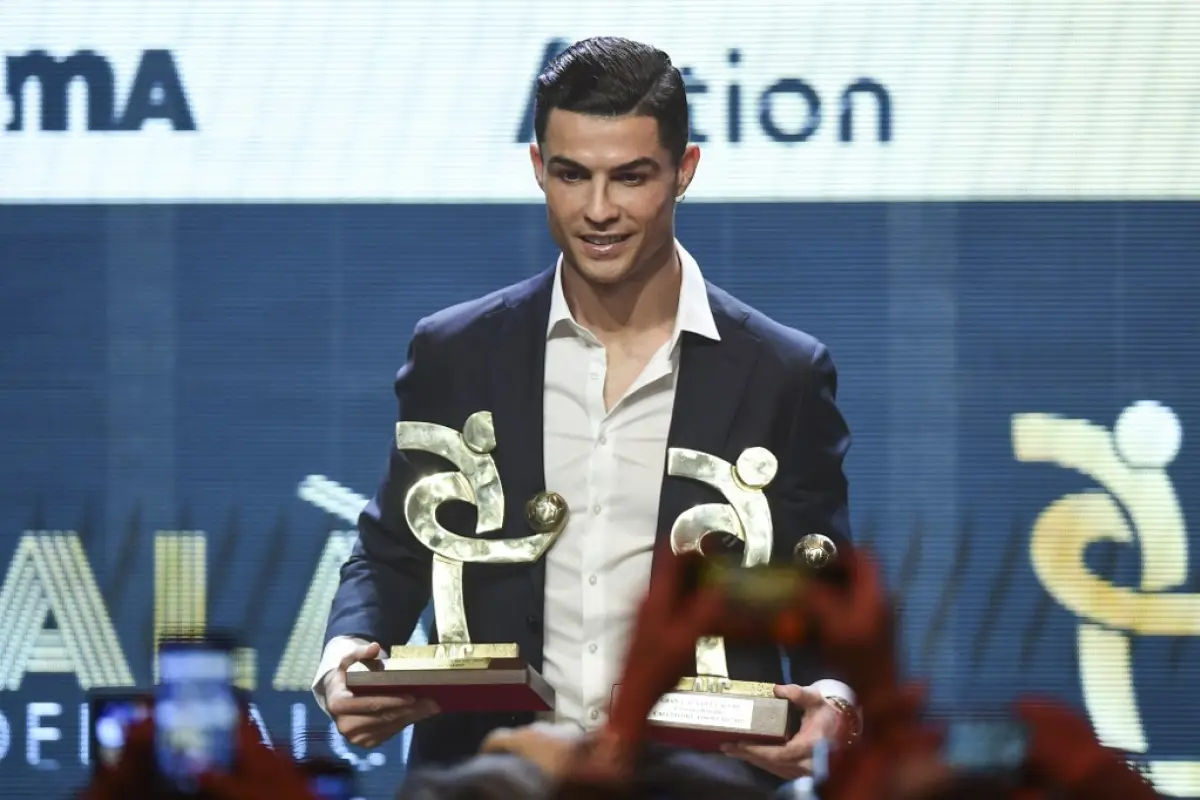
710	709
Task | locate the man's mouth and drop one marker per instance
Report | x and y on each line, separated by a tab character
600	241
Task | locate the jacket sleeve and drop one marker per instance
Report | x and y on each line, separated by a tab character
812	491
385	582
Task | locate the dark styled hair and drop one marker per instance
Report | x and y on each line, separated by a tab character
611	76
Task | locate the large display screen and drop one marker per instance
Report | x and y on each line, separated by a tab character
220	221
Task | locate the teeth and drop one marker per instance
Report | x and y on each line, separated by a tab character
602	239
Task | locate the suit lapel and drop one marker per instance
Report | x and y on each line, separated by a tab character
516	359
713	376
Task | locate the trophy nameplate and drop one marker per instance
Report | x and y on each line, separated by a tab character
456	673
709	710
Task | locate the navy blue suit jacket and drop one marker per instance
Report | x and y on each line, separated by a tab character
763	384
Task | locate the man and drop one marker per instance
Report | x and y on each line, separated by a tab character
591	371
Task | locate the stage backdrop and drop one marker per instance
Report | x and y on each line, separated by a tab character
219	223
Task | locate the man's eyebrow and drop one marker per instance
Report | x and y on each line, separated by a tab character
637	163
563	161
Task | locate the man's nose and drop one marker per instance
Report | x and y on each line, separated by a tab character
601	211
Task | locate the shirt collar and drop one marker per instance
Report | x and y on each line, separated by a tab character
693	315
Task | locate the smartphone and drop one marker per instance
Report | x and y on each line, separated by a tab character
196	711
330	779
767	588
110	715
986	746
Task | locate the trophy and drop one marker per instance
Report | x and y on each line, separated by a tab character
710	709
456	673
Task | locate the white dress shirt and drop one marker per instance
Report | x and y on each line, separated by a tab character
608	465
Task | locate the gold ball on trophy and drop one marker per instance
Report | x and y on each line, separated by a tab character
756	467
479	434
546	512
816	551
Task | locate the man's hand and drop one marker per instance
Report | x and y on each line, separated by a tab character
553	748
822	720
370	721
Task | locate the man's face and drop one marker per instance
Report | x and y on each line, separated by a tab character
610	191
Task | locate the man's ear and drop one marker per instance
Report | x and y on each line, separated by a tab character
687	169
539	167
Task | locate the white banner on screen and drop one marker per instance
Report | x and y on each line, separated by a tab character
283	100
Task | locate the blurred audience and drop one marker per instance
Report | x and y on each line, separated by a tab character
897	756
259	772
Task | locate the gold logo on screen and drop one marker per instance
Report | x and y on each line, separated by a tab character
1135	504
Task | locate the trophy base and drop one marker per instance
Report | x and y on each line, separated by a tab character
735	711
458	677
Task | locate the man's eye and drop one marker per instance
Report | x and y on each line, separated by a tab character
570	176
632	179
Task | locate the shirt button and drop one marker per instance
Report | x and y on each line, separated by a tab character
592	647
596	509
603	440
592	580
594	713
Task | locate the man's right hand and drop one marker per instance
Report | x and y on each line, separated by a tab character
369	721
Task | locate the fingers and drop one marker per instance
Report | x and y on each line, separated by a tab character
1038	712
804	697
1053	726
510	740
248	733
663	581
225	785
669	583
704	614
788	761
381	707
346	702
699	616
371	730
365	652
497	741
139	740
369	721
759	752
862	594
865	577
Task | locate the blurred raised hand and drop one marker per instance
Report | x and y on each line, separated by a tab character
258	772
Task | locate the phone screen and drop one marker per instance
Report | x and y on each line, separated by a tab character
333	787
195	711
111	716
985	745
330	780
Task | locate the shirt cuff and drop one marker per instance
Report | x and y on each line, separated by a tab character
828	687
335	651
798	789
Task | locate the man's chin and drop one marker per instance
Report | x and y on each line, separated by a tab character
606	272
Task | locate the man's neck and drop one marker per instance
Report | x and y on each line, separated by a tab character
638	305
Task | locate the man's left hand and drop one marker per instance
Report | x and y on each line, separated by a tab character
821	720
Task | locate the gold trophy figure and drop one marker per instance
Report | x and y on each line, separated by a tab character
710	709
456	673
